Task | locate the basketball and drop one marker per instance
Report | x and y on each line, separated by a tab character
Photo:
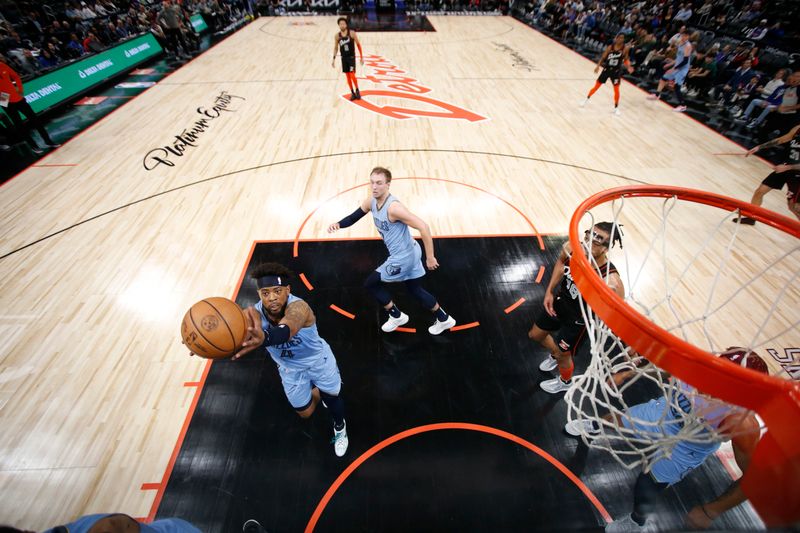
214	328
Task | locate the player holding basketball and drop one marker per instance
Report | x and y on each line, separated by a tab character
786	174
344	42
676	75
287	327
562	313
614	57
405	256
733	423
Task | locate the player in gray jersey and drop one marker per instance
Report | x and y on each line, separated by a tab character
676	71
286	327
392	219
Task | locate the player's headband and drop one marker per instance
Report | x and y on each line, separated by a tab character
272	281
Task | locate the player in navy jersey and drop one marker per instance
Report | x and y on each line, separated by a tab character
405	256
286	326
562	312
345	43
786	174
614	58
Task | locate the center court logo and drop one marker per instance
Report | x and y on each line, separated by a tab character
400	85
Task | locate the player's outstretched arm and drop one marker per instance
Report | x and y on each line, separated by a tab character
745	432
254	338
775	142
350	219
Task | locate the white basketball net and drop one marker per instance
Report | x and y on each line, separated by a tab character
695	272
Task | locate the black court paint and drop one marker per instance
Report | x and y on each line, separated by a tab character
248	455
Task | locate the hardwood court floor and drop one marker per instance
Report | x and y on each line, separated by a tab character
99	260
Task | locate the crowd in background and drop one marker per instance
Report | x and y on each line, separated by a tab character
36	37
743	75
745	62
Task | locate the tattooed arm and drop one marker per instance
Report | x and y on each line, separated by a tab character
775	142
298	316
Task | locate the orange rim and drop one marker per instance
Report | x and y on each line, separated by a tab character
772	482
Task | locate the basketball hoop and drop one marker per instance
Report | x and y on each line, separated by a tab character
696	282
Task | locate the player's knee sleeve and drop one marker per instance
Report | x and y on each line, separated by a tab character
375	286
415	289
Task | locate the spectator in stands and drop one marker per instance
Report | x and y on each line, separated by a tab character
767	106
32	25
659	53
54	52
774	34
110	34
759	32
11	85
91	44
744	53
100	10
777	81
673	41
158	33
59	32
668	17
750	12
701	77
684	13
785	116
742	96
139	15
655	22
122	30
562	28
641	46
724	56
72	11
588	24
704	13
46	60
740	77
21	55
85	12
170	20
74	47
210	10
714	51
720	23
